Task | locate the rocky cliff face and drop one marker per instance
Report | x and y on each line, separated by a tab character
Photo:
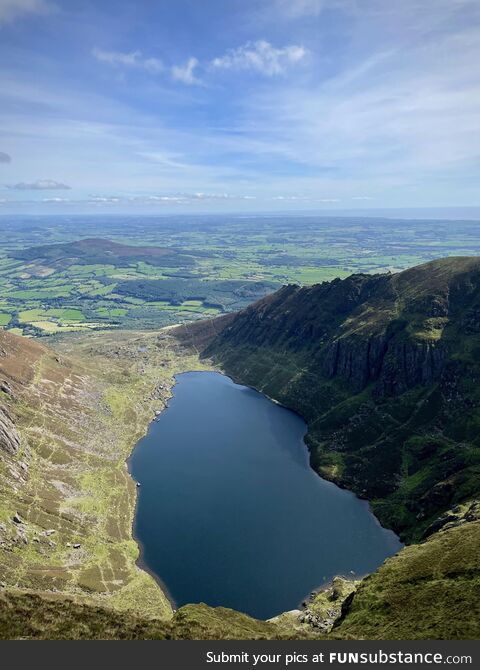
9	438
385	370
396	365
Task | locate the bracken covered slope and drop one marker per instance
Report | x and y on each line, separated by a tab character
385	370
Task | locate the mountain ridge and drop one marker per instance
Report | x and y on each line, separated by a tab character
383	368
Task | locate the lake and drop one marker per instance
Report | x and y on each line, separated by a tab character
229	511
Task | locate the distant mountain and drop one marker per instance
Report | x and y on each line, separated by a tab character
98	250
385	369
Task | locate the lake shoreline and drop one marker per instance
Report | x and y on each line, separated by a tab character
162	579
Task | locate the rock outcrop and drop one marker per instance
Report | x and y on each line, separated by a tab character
9	438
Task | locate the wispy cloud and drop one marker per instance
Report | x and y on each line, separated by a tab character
147	199
41	185
298	8
178	198
5	158
10	10
261	57
397	113
305	198
131	59
186	73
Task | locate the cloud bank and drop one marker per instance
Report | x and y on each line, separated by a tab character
41	185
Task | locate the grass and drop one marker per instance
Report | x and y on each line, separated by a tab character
29	615
64	315
81	416
111	312
41	294
427	591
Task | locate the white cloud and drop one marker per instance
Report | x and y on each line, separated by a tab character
133	59
262	57
41	185
5	158
186	73
186	198
304	199
399	114
13	9
217	196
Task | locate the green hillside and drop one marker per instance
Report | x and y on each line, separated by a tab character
384	368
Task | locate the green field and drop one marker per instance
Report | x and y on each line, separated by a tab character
53	281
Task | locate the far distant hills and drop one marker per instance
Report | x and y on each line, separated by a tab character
98	250
96	283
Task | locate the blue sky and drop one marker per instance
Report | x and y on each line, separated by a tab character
238	105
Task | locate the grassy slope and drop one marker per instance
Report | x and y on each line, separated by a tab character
79	412
427	591
40	616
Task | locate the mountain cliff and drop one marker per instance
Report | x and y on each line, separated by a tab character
385	370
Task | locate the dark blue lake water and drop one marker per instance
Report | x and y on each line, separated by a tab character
230	512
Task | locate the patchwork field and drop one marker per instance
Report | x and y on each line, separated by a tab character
59	274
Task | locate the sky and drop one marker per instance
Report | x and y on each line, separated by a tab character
164	106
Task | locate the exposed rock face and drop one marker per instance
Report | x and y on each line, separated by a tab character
324	608
9	438
458	516
396	366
